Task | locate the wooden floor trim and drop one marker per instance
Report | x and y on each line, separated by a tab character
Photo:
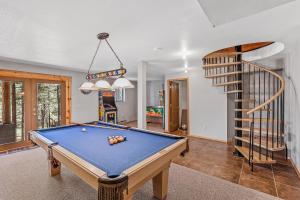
208	138
295	167
16	149
14	146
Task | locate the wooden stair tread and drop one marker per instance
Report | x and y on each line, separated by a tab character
263	143
248	109
242	109
263	159
227	83
221	65
257	130
249	100
233	91
224	74
244	100
255	120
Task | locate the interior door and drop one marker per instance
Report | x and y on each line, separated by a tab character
173	106
48	104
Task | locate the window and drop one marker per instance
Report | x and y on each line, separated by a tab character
48	105
120	95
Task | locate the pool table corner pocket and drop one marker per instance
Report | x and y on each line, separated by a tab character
113	188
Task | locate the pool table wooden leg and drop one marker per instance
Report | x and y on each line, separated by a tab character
54	167
160	184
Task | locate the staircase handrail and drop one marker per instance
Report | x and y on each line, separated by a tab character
275	96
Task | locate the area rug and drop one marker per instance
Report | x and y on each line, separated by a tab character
24	176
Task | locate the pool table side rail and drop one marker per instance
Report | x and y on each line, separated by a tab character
150	167
110	124
98	126
85	170
157	133
56	127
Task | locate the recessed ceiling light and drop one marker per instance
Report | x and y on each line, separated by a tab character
185	64
157	48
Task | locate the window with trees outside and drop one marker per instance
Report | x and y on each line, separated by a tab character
48	105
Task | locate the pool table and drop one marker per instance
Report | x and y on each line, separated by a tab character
115	171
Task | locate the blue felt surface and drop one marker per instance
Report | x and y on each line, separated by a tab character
93	147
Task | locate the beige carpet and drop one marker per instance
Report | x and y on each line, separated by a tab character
24	176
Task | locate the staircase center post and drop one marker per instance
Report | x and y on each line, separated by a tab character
239	96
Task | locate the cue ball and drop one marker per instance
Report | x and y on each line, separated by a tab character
83	129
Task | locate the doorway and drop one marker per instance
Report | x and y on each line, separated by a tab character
31	101
178	120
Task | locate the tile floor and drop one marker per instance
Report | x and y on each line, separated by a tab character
216	159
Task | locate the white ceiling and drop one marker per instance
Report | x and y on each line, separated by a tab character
221	12
62	33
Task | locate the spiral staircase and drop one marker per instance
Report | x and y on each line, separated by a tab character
259	104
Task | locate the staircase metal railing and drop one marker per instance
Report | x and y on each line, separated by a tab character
262	89
270	98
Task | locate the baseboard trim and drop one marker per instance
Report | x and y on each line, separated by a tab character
207	138
295	167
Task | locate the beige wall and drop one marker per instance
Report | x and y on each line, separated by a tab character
127	111
84	107
208	105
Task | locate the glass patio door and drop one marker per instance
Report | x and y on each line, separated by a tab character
11	111
29	101
48	104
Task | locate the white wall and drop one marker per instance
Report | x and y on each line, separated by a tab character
183	94
84	107
292	99
207	106
127	111
153	88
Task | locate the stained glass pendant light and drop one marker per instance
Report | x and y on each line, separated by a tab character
88	86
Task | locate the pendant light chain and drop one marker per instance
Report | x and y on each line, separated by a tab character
94	56
121	64
92	62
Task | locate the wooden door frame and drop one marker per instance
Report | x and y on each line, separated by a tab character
171	112
34	100
28	78
188	102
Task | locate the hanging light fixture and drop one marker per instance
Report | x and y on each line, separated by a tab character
121	82
87	87
103	85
